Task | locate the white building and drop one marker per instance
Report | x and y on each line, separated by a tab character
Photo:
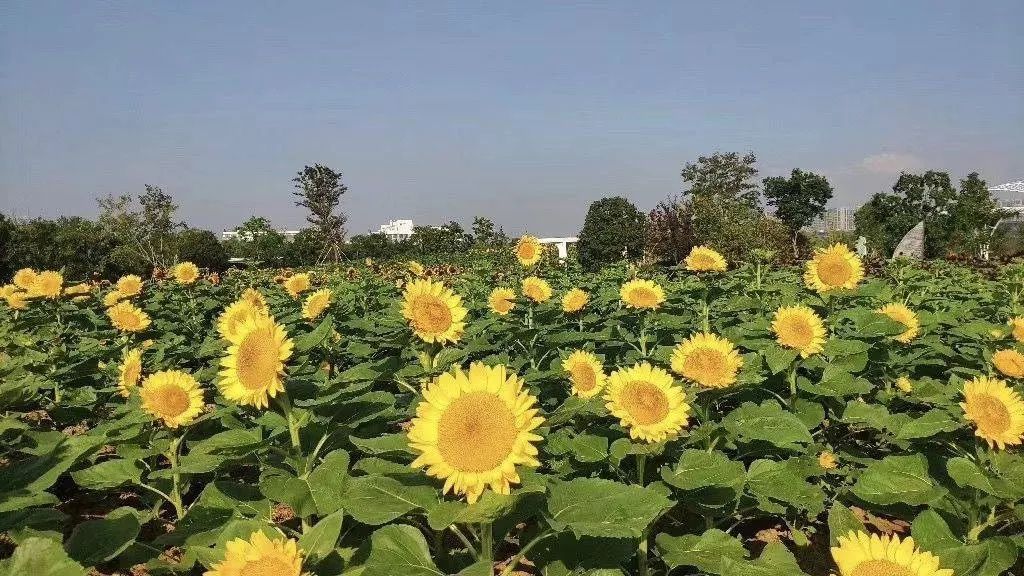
836	220
397	230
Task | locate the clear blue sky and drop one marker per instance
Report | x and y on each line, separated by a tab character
521	111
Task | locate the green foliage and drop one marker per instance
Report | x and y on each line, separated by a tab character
144	232
258	242
202	248
797	200
612	231
723	176
319	190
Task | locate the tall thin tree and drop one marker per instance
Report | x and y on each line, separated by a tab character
319	190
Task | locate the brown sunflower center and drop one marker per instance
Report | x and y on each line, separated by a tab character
583	377
796	332
170	401
502	304
476	432
881	568
526	251
990	414
127	319
431	315
643	297
645	402
266	567
834	270
704	364
257	362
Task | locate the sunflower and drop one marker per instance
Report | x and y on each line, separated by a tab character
24	278
434	312
501	301
234	316
128	317
472	429
708	360
1017	327
574	301
642	294
646	400
78	289
833	268
827	460
112	297
16	300
47	284
297	284
415	268
529	250
705	259
859	554
1010	362
259	556
585	373
130	285
316	303
798	327
8	289
253	368
536	289
904	384
186	272
172	396
996	409
130	371
900	313
255	298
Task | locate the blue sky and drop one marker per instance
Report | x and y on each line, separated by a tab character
521	111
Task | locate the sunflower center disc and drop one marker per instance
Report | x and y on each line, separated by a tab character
645	402
584	378
266	567
257	360
644	297
171	401
834	270
431	315
881	568
797	333
992	415
704	365
476	433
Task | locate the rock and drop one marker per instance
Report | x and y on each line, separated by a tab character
912	245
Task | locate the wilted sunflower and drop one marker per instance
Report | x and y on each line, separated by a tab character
642	294
253	368
646	400
833	268
900	313
8	289
15	299
798	327
78	289
234	316
536	289
860	554
529	250
128	317
1017	328
47	284
705	259
129	372
297	284
129	285
186	272
415	268
827	460
585	373
1010	362
708	360
254	297
24	278
995	409
434	312
259	556
574	301
473	428
172	396
501	301
112	297
316	303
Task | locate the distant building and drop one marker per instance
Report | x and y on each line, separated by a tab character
1010	197
397	230
835	220
230	234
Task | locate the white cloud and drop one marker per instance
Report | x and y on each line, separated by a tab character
891	163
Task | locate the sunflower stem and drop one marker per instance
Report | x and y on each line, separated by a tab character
511	567
293	424
486	542
172	457
641	550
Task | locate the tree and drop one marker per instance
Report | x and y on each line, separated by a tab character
735	229
723	176
304	249
447	240
483	231
670	231
375	245
257	242
613	229
797	200
7	268
147	232
202	248
319	189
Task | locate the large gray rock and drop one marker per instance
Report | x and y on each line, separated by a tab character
912	245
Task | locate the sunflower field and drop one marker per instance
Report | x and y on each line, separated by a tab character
396	419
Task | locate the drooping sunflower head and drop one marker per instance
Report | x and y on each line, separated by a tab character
112	297
586	374
172	396
574	301
900	313
799	328
230	322
705	259
80	289
297	284
47	284
501	301
128	317
186	272
529	250
434	312
16	299
129	285
255	298
415	268
129	372
1017	328
24	278
647	402
996	410
252	371
316	303
860	554
1010	362
707	359
833	268
536	289
642	294
473	428
260	556
827	460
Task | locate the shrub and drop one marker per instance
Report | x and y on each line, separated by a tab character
613	229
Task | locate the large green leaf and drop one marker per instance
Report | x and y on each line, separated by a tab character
898	480
321	539
40	557
95	541
705	551
328	482
109	474
698	469
991	557
596	507
377	500
399	549
767	422
774	483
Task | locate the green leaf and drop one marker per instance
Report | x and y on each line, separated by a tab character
698	469
383	444
95	541
767	422
991	557
930	424
289	490
596	507
775	560
40	557
589	447
399	549
321	539
778	358
771	481
841	520
898	480
307	342
705	551
109	474
328	482
377	500
968	474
